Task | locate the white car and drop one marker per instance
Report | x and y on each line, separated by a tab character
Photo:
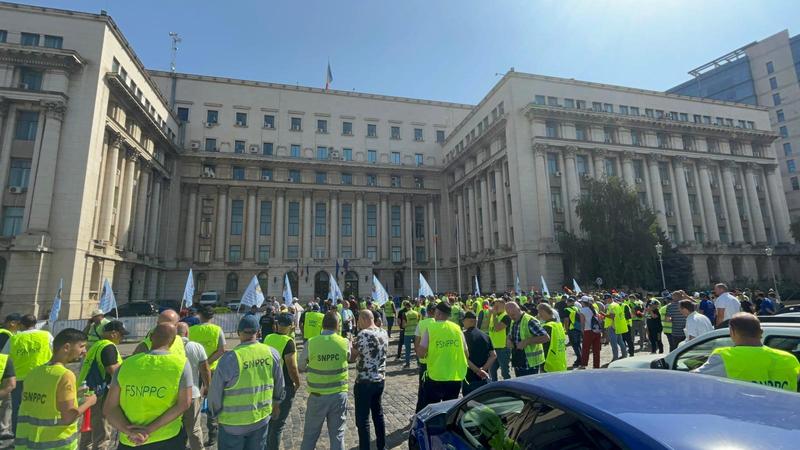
693	354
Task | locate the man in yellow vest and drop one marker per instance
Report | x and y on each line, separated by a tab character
750	360
423	362
94	328
10	326
443	345
410	320
325	358
311	322
29	348
168	317
525	341
618	327
572	324
148	395
102	360
389	310
499	324
246	390
49	413
555	351
282	340
212	338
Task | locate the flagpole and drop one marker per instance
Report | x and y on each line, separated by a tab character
458	258
411	253
435	259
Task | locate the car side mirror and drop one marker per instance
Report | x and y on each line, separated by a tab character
437	424
659	363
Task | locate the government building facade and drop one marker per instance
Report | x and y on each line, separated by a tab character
112	171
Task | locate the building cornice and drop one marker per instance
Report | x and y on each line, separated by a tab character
42	57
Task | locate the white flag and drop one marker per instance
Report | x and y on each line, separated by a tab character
287	291
545	291
424	288
334	293
253	295
575	287
379	294
517	288
56	304
188	290
477	287
107	300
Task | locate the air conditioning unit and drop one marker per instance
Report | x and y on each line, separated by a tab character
16	189
209	172
210	124
334	153
268	125
670	214
321	130
239	123
639	181
665	182
266	178
557	174
738	187
254	149
195	146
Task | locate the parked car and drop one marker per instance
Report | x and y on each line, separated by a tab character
234	306
567	410
168	304
210	298
134	309
693	354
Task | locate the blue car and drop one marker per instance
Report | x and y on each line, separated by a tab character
624	409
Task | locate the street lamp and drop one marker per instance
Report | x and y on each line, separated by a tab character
659	252
768	251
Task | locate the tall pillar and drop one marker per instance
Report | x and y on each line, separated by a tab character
222	220
141	208
755	205
712	228
109	180
487	223
279	238
126	205
431	223
307	229
473	219
657	193
628	174
155	217
683	200
599	163
385	253
546	231
573	187
334	228
462	241
500	199
778	200
250	240
408	228
359	237
191	218
40	192
734	215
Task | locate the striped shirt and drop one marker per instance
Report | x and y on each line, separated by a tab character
678	320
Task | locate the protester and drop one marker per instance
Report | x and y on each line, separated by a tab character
555	350
707	307
168	317
370	348
676	319
443	345
571	322
590	325
499	325
211	337
389	311
201	376
696	324
94	327
654	327
11	325
282	340
726	305
28	349
410	320
525	341
482	355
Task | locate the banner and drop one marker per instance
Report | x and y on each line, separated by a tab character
517	288
107	300
56	303
287	291
477	287
575	287
545	291
188	290
379	294
252	295
334	293
424	288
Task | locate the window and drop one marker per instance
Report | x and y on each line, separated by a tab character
395	133
347	178
347	154
597	106
608	107
636	137
419	182
267	149
30	39
238	173
372	179
53	41
649	113
695	356
539	99
419	254
609	135
294	151
347	219
265	218
713	145
623	110
237	217
784	132
790	166
506	409
12	220
269	121
372	156
372	253
30	79
19	173
266	174
582	164
552	163
781	117
395	218
634	110
321	178
27	123
183	114
580	133
294	219
418	134
211	145
297	124
395	181
235	253
770	67
372	130
320	220
659	114
238	146
552	101
439	136
776	98
662	140
372	220
419	222
3	37
396	256
322	126
555	200
212	117
418	159
773	83
787	148
795	184
294	176
347	128
322	153
395	157
263	254
347	251
688	142
292	252
569	103
241	119
232	283
683	117
551	129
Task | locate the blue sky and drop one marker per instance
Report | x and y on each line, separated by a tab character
444	50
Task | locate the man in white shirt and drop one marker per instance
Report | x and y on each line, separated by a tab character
726	305
696	324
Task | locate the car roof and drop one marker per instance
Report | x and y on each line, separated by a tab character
677	409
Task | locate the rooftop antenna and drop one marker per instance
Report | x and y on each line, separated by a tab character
174	51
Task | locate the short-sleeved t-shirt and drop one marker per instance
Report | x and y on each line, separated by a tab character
479	346
108	357
288	349
372	345
66	390
195	355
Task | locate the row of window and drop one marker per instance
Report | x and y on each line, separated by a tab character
626	110
35	39
293	252
144	101
482	126
320	177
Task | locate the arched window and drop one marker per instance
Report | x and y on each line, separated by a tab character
263	280
398	282
232	283
200	283
738	270
351	284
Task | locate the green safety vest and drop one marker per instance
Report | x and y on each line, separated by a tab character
327	364
534	354
312	324
556	358
388	309
362	305
250	399
148	387
665	324
423	325
455	314
96	332
574	321
627	310
620	322
38	421
177	348
94	356
446	358
498	337
484	321
207	335
278	342
762	365
412	319
28	351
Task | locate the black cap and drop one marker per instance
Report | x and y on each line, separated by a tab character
14	317
285	319
444	307
116	325
469	315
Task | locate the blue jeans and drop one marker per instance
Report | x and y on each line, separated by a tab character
254	440
617	342
575	337
331	408
502	362
277	424
407	341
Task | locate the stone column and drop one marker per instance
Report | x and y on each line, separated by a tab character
657	193
359	236
40	192
755	205
500	199
712	228
307	229
280	220
250	240
599	164
485	217
683	200
191	218
109	181
473	219
462	235
573	187
778	200
408	228
543	189
222	220
628	174
385	252
155	207
431	228
733	207
334	229
141	208
126	205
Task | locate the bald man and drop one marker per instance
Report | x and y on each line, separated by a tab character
176	347
525	340
149	394
370	348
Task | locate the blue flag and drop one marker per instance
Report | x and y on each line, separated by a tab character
287	291
56	303
188	290
334	293
477	287
107	299
252	295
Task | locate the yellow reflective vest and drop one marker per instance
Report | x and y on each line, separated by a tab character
446	358
762	365
38	424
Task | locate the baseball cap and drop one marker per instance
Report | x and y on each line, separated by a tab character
586	299
444	307
116	325
14	317
315	307
469	315
285	319
97	312
248	324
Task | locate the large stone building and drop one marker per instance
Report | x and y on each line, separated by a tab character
110	171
